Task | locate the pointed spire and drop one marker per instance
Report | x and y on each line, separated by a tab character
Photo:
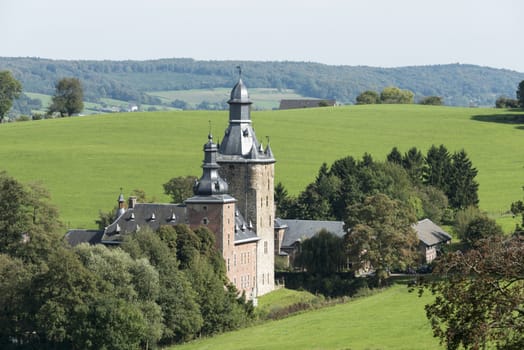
121	205
239	137
210	183
268	152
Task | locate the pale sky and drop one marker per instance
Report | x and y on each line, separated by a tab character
383	33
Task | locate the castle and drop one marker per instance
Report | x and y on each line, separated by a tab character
233	198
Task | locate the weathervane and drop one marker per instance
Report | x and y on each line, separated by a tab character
209	135
239	71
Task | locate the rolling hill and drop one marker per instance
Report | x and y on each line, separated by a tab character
139	81
84	161
393	319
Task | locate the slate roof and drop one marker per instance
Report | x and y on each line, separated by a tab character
75	237
244	232
152	215
430	234
299	230
240	143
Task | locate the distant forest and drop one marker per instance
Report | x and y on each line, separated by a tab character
457	84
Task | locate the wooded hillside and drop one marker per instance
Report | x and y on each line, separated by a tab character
458	84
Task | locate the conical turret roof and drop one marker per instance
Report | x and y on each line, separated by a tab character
240	143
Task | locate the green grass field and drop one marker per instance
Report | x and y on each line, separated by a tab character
393	319
84	161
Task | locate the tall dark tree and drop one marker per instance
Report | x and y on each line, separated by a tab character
394	156
413	162
438	165
10	89
284	203
463	189
520	94
68	98
323	253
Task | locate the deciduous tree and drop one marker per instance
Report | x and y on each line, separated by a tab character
479	228
179	188
392	94
381	235
10	89
480	296
68	98
368	97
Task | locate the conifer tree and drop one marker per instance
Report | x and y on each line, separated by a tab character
463	189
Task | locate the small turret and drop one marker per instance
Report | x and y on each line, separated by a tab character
210	183
121	206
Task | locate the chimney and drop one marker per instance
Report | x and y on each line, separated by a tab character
131	202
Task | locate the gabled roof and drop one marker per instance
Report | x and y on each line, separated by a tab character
299	230
152	215
430	234
75	237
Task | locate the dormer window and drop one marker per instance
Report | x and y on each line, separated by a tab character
153	217
132	216
173	217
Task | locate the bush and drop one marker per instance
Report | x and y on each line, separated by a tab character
22	118
505	102
432	100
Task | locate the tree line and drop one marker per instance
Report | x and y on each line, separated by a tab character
131	80
157	288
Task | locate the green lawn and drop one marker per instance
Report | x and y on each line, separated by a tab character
84	161
393	319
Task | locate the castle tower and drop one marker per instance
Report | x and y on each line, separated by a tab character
249	170
212	207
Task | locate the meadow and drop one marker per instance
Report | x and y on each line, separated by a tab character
84	161
390	320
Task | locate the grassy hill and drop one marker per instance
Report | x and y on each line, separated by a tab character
393	319
84	161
